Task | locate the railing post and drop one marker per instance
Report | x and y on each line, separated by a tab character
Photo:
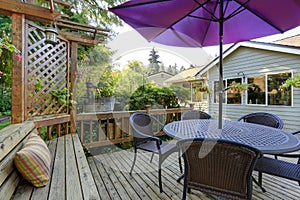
147	108
192	106
18	70
74	71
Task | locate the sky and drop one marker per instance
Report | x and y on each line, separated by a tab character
171	56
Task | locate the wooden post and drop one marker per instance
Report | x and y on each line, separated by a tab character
74	47
147	108
192	106
18	69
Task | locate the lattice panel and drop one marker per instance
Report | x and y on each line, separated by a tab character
47	70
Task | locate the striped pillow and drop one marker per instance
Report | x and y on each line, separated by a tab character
33	161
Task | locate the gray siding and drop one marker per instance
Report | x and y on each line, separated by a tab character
257	62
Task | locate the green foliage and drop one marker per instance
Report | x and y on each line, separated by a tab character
63	97
239	87
154	62
5	124
203	88
90	10
5	101
107	83
183	94
293	81
149	94
131	78
5	104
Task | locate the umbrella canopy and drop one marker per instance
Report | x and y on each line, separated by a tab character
199	23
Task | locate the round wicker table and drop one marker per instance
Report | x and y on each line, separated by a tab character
268	140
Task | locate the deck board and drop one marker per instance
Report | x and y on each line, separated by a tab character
111	174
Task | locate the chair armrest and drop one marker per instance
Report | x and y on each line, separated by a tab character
157	121
154	138
296	132
288	155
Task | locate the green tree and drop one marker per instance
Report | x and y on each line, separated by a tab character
132	77
183	94
107	82
154	62
90	10
157	97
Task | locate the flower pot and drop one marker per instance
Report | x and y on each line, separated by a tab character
106	104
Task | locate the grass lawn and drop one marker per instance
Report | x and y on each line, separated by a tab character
4	124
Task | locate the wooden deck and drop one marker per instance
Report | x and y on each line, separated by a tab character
111	173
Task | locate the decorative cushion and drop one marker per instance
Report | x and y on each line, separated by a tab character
33	161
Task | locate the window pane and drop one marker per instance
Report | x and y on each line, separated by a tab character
233	97
276	95
257	94
216	92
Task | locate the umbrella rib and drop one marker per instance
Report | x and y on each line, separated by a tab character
265	20
170	26
138	4
214	18
238	10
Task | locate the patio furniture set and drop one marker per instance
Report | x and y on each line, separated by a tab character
221	161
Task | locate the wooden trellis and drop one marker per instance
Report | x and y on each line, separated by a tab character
47	70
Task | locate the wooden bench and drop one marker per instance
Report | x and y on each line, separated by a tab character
71	177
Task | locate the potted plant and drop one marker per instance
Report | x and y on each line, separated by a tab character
293	81
238	87
203	88
105	90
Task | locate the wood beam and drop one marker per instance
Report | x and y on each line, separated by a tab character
32	12
51	6
81	39
18	70
64	4
73	64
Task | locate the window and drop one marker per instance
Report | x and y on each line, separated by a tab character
233	97
216	92
277	95
257	94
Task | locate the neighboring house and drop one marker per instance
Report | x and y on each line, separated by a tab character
159	78
267	66
186	78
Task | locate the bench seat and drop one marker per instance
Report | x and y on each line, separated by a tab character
71	177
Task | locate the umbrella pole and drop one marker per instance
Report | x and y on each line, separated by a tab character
221	22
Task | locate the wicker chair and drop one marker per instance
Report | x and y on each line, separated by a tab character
194	114
280	168
143	138
263	118
224	169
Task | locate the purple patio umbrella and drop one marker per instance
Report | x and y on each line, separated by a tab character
199	23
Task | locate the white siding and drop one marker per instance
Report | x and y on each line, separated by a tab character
256	62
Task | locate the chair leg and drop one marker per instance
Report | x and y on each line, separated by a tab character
134	159
259	185
151	157
184	188
260	178
159	174
179	161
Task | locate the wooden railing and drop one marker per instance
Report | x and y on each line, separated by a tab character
101	128
107	128
52	125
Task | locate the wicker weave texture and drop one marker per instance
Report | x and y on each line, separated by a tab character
218	167
194	114
263	118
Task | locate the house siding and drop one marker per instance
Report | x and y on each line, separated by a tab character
257	62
